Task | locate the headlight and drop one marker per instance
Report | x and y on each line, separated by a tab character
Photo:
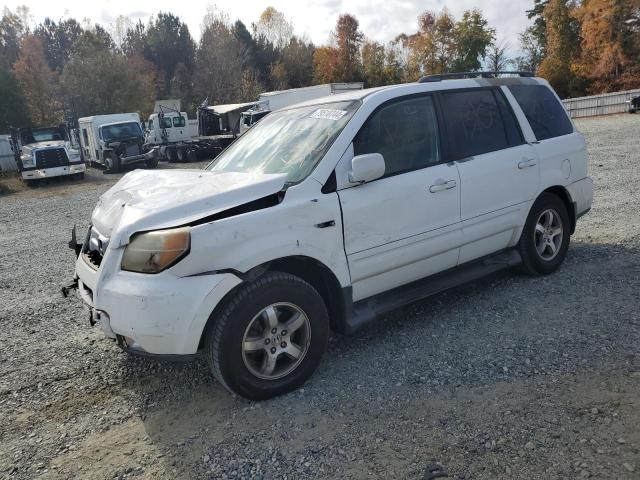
74	155
153	252
28	160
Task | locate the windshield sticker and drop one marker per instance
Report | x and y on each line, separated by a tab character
328	114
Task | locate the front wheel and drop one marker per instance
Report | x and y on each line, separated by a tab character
269	338
545	238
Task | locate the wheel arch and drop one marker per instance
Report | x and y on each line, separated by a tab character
563	194
309	269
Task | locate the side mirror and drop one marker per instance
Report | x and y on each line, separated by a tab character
366	168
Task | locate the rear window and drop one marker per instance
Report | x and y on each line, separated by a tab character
478	122
545	113
178	121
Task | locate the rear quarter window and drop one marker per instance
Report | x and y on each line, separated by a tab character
545	114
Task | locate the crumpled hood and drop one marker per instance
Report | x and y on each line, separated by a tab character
154	199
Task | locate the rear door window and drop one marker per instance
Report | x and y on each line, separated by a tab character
178	121
545	113
478	121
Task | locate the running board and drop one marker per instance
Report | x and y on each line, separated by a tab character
364	311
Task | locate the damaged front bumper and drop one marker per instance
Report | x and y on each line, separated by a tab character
160	315
150	155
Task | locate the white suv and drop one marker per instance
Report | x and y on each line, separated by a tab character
329	213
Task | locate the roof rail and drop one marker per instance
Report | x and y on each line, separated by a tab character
454	75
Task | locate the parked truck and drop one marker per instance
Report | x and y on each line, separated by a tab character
179	138
44	152
114	141
270	101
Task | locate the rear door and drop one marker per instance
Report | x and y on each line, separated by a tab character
405	225
499	171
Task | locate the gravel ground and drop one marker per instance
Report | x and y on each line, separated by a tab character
510	377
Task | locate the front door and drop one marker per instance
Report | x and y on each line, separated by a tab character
405	225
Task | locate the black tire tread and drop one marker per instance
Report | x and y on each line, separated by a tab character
215	331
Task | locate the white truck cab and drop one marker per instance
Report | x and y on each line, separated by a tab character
114	141
170	127
46	152
329	213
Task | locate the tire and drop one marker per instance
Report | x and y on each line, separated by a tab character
112	162
541	250
192	156
181	154
152	163
242	370
171	155
79	176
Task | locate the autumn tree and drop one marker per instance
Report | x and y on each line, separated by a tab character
38	82
325	65
273	27
561	48
348	39
608	55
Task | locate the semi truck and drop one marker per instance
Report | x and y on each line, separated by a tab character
179	138
44	152
114	141
270	101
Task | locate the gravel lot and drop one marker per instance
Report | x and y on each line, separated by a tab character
509	377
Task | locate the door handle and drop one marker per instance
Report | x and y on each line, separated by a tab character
442	185
531	162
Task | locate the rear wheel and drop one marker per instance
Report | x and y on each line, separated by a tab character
269	338
181	154
151	163
171	155
545	238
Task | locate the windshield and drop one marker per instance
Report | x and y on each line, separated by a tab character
43	135
121	130
289	141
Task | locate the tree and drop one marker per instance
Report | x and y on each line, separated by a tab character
58	40
135	40
325	65
561	47
532	52
472	37
168	43
12	29
497	57
100	80
608	55
538	30
273	27
348	39
297	59
373	64
220	61
13	107
38	82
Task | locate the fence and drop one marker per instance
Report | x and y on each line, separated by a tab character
603	104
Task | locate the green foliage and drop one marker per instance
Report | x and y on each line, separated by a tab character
472	37
13	107
58	40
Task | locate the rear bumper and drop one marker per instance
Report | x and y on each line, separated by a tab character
35	174
151	315
581	195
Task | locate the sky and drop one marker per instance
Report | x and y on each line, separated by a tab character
380	20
